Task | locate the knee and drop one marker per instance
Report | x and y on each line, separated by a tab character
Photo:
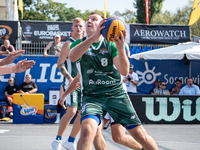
117	139
87	130
142	139
71	112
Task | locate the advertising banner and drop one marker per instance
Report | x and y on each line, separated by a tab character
43	30
164	70
8	30
167	109
44	73
159	34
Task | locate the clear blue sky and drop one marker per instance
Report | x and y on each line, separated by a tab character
120	5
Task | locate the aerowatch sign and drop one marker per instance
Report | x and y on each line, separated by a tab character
159	34
167	109
8	30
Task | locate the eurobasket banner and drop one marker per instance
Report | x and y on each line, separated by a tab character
8	30
43	30
159	34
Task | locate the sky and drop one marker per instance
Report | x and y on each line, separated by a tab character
120	5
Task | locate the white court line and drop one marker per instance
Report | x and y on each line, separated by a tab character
176	142
3	131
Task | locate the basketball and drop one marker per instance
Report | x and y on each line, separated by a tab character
113	25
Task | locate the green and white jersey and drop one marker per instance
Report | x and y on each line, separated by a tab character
70	67
97	71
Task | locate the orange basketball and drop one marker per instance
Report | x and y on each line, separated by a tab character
113	25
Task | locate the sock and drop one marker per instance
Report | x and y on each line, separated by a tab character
58	115
71	139
59	137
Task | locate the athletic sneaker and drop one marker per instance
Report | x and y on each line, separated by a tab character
69	145
56	144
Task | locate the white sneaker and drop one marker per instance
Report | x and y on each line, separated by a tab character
57	118
69	145
56	144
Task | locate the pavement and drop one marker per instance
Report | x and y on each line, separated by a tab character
40	136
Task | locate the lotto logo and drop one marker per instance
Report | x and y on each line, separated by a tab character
54	97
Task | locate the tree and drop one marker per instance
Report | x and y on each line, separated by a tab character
155	7
128	15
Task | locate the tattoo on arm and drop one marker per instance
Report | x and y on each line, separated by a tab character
63	70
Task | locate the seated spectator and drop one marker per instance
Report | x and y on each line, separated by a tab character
156	88
175	90
9	91
190	88
162	90
28	87
6	48
54	47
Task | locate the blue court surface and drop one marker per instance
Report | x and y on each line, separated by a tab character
40	136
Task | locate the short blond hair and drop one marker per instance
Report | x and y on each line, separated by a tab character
78	19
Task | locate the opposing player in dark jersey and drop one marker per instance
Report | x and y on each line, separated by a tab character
101	64
69	70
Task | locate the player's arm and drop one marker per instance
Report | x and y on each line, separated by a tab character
63	56
121	61
72	87
46	49
77	51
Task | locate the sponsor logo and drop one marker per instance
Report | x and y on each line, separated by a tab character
133	117
163	114
83	107
28	29
101	82
28	110
103	51
54	96
50	114
5	31
90	71
113	33
148	76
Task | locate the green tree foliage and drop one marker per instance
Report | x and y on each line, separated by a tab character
155	7
128	15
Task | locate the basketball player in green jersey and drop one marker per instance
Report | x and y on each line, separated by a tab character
69	70
101	64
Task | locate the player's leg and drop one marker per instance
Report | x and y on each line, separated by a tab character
64	122
119	136
70	143
59	106
99	141
140	134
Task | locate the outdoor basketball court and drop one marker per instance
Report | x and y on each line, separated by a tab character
40	136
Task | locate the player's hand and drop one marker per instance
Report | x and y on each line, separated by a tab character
120	41
97	34
23	65
11	57
45	55
62	100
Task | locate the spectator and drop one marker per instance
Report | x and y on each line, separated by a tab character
54	47
156	88
198	41
127	50
190	88
6	48
28	87
162	90
9	91
175	90
131	81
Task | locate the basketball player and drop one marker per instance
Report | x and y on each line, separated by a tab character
68	69
101	84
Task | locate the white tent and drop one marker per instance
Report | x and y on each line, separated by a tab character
177	52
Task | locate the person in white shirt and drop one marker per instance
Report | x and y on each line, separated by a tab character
131	81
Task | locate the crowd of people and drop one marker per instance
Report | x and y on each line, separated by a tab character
101	103
189	89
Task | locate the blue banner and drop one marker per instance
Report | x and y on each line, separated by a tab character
44	73
167	70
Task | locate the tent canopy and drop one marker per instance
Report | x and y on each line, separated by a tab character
177	52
